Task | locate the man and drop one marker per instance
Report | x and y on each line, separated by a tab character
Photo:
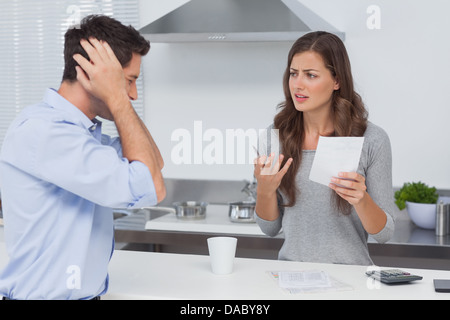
60	177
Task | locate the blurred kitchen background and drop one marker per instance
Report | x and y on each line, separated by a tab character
401	71
399	52
398	49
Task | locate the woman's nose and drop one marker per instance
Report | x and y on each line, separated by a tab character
299	82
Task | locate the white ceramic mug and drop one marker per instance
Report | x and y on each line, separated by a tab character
222	251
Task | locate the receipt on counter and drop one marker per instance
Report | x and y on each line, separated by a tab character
303	279
307	281
334	155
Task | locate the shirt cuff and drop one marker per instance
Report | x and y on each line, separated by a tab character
141	186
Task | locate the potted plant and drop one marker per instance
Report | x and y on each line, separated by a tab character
420	202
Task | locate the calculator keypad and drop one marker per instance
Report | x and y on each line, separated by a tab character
393	276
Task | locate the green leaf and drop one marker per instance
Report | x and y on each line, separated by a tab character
417	192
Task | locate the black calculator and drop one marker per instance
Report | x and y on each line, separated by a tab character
392	276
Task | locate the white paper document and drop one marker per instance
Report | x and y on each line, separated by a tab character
334	155
303	279
307	281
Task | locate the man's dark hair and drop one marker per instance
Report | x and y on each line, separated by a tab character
124	41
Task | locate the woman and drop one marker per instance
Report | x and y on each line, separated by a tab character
324	224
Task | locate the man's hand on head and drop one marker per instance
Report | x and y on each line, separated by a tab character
103	75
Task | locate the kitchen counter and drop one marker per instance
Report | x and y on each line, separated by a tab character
144	275
410	246
141	275
160	232
217	221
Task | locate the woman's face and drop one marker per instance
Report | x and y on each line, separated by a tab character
311	83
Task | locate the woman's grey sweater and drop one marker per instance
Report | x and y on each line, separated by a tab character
314	231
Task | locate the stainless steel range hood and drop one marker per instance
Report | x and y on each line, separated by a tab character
236	20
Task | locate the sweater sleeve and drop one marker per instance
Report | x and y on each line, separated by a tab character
270	228
378	174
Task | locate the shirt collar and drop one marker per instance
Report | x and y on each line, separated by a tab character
96	129
56	101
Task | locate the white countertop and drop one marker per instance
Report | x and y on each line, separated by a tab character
216	221
144	275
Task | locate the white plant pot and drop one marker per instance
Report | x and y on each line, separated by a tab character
422	214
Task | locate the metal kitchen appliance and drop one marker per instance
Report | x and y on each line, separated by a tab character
244	211
185	210
190	210
442	219
237	21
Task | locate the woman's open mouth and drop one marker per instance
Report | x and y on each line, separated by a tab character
301	98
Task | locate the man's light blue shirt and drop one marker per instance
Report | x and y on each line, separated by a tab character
59	179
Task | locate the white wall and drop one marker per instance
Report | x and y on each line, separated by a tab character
401	70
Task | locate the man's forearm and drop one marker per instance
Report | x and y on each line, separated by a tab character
136	145
155	147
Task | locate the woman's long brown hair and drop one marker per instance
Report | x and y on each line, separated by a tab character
347	109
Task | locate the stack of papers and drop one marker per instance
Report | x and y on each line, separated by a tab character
303	279
310	281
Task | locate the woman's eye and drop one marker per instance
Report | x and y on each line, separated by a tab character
311	76
293	74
